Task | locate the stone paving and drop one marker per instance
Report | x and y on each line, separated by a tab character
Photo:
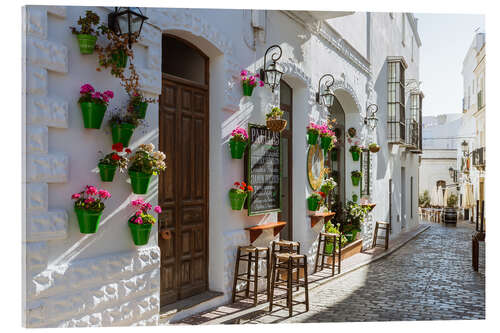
430	278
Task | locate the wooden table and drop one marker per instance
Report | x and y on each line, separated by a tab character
318	216
257	230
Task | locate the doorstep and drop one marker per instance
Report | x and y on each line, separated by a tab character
167	312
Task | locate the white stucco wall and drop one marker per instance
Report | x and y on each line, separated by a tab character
102	279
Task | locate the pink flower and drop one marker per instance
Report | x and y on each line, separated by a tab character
91	190
137	202
244	72
257	75
89	200
108	93
138	220
148	205
157	209
261	83
86	88
138	213
97	95
104	194
75	196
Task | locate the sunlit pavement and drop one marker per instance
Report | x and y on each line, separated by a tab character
430	278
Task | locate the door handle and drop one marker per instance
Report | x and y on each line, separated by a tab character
165	234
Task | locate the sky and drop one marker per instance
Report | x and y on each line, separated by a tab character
446	39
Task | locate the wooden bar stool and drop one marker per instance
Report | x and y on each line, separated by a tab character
384	226
284	246
251	254
323	238
288	262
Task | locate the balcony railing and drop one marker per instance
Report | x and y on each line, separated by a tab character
478	158
480	100
413	135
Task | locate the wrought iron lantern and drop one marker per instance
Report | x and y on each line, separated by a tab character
126	20
326	97
371	118
453	174
465	148
271	74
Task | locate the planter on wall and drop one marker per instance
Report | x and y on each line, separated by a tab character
237	199
374	149
325	142
93	114
86	43
355	155
88	221
119	58
122	133
140	232
237	148
247	89
140	181
107	172
140	110
355	180
312	203
312	138
276	125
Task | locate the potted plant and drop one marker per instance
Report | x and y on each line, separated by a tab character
122	127
238	194
249	82
93	105
141	222
238	142
88	208
355	177
87	36
274	121
328	138
143	165
355	152
355	214
373	147
333	229
116	53
138	105
312	133
328	185
315	200
109	163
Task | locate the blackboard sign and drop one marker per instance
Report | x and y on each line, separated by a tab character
263	170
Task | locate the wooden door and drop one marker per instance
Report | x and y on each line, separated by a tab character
183	188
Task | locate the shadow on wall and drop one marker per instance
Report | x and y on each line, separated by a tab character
384	153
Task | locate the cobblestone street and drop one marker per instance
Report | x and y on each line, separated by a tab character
430	278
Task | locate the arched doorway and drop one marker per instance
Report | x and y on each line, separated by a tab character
183	187
336	160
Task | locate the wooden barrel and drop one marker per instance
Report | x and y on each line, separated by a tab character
450	215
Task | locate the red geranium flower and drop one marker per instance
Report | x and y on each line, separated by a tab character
115	157
322	194
242	188
128	151
250	188
117	147
236	184
243	184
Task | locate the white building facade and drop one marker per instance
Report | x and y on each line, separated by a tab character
102	279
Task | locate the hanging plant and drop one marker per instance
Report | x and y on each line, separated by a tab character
143	165
141	222
274	121
328	139
249	81
87	36
88	206
238	194
93	105
137	104
116	53
374	147
122	126
328	185
109	163
312	133
355	152
238	142
355	177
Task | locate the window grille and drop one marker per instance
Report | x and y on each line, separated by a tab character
365	172
396	100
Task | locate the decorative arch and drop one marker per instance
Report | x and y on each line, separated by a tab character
347	88
296	71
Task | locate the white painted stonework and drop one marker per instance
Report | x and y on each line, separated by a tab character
103	279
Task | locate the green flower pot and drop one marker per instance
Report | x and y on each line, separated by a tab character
247	89
140	110
351	236
325	142
355	180
119	58
140	232
86	43
312	138
334	154
329	247
140	181
122	133
355	155
312	203
107	172
237	199
88	220
92	114
355	197
237	148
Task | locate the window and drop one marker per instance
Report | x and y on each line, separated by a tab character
414	122
365	172
396	67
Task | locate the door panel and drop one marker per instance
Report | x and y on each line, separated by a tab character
183	189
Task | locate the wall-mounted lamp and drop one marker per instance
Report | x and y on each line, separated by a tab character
126	20
371	118
270	74
453	174
326	97
465	149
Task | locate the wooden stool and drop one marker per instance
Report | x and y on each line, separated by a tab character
288	262
323	238
284	246
384	226
251	254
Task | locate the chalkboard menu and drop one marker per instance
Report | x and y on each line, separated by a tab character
263	170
